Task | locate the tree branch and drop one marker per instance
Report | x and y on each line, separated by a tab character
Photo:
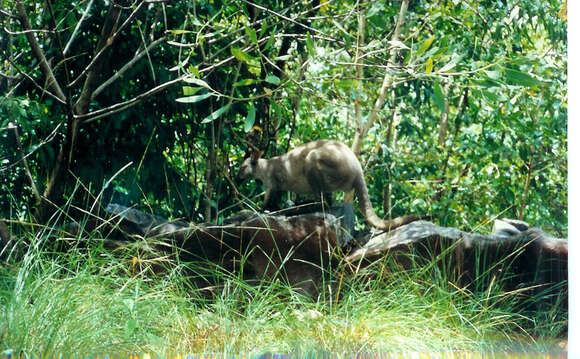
363	128
284	17
37	85
92	116
359	60
97	59
9	15
444	117
37	51
388	79
127	66
78	27
24	161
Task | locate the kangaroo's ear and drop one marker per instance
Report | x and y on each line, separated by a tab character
255	155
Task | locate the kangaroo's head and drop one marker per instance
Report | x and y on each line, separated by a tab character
248	169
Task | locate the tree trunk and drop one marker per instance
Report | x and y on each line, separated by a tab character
363	128
444	118
391	140
463	103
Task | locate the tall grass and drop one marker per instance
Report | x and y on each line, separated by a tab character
89	300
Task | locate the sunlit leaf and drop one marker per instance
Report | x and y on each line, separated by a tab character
425	45
241	55
251	34
194	99
429	65
216	114
495	75
250	119
516	77
447	67
179	32
196	81
283	58
438	97
245	82
272	79
451	64
398	44
190	91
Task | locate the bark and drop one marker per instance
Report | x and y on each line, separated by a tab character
386	85
391	144
349	196
105	40
38	53
363	128
524	260
78	113
444	117
463	103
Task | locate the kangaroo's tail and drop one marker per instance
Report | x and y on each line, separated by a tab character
361	191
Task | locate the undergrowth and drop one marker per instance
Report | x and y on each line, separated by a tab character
90	300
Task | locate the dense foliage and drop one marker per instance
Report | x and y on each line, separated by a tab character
456	108
472	125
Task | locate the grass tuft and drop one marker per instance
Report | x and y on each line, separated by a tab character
90	301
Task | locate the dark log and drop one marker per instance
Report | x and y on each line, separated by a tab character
303	249
526	259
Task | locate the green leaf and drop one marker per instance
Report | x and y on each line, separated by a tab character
196	81
179	32
425	45
240	55
310	45
487	82
251	34
245	82
347	84
250	119
194	99
271	41
429	65
490	96
263	28
274	80
190	91
216	114
454	60
516	77
438	97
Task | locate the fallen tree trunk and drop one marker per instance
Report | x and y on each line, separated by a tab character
305	248
525	259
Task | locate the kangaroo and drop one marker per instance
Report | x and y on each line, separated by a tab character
316	167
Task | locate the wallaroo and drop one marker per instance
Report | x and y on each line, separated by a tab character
318	167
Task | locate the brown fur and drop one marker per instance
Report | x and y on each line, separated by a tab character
316	167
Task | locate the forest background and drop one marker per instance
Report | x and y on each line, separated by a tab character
459	111
456	108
